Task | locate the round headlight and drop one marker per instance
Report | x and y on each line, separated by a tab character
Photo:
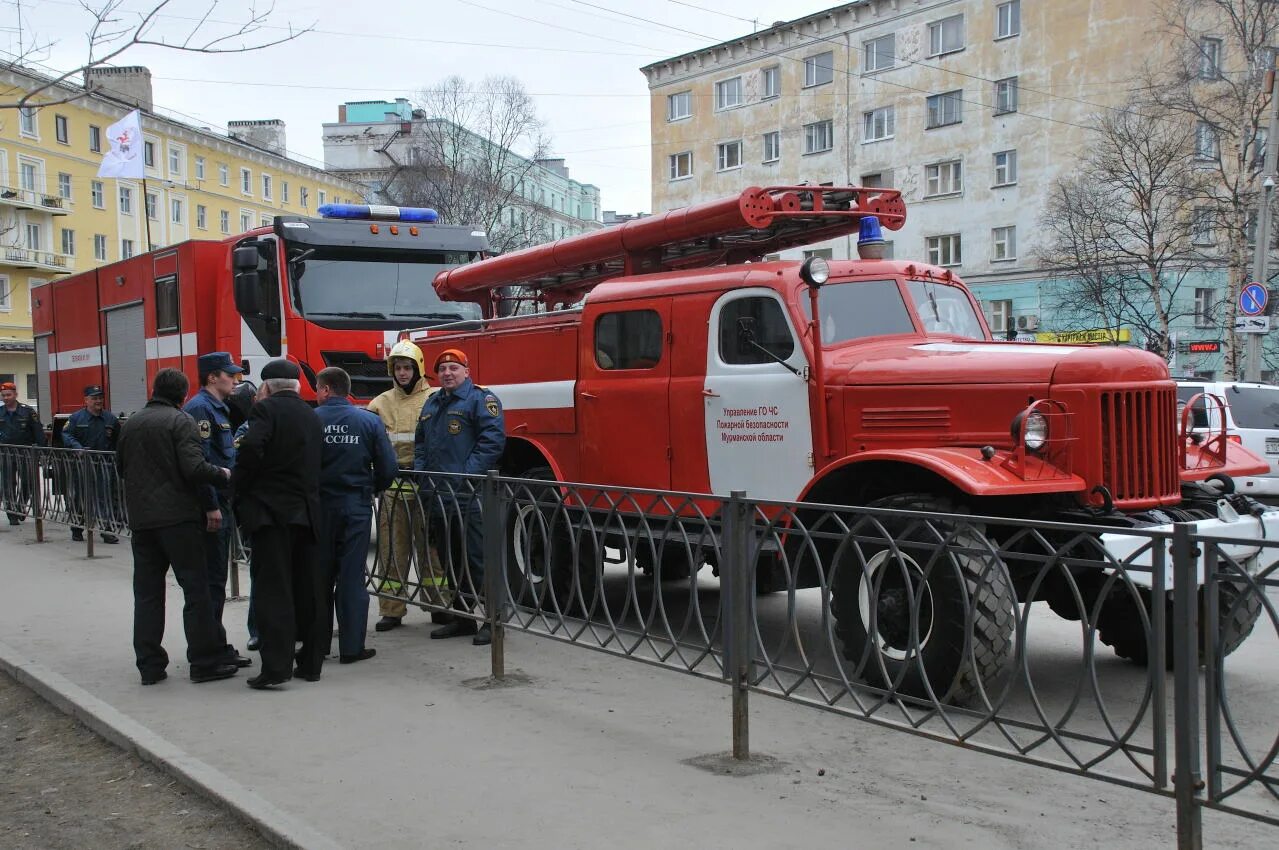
815	271
1036	431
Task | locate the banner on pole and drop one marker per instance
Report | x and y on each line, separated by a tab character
124	158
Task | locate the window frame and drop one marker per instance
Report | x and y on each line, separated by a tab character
100	241
246	182
61	130
66	240
1014	20
148	153
730	311
177	154
935	248
268	187
721	89
937	32
1202	226
168	298
201	217
828	126
722	151
775	136
1006	95
176	214
64	186
869	120
28	122
127	249
1210	52
6	293
1001	316
124	198
944	179
1206	133
1009	167
224	174
672	100
627	333
672	166
1205	307
224	221
1007	237
872	47
97	195
770	82
936	105
95	138
813	69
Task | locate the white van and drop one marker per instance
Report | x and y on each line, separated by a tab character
1252	416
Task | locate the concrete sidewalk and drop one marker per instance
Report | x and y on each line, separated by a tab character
411	750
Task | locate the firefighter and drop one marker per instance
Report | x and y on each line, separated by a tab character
93	427
19	426
461	429
212	419
401	527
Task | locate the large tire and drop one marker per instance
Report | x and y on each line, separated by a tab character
552	565
1122	628
957	654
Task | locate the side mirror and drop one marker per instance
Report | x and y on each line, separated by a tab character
245	258
746	330
246	292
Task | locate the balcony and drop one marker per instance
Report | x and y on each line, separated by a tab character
28	258
28	199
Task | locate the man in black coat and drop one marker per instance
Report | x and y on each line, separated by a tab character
163	468
277	483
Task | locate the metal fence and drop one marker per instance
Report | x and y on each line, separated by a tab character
1145	658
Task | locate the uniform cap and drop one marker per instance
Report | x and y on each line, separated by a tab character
9	385
281	368
92	389
450	355
407	349
217	361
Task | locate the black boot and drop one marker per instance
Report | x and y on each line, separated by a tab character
460	627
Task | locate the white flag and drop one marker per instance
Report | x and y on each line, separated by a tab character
124	158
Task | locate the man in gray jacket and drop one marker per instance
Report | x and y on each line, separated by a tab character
163	467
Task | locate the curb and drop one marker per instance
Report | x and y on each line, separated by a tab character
275	825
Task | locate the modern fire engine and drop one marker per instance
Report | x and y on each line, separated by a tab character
671	354
332	291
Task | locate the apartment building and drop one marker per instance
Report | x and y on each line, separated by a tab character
58	217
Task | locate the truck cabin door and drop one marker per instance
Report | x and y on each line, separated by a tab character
759	435
623	397
257	300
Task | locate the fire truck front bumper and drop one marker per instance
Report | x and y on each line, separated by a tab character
1235	538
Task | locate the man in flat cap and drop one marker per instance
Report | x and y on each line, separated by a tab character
213	420
94	428
19	426
460	429
277	482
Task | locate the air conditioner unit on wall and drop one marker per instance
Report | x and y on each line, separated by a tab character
1027	323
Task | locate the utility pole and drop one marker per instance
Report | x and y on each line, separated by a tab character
1252	371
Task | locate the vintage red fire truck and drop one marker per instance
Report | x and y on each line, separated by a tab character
330	291
670	354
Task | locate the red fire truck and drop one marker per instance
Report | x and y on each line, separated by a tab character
672	355
332	291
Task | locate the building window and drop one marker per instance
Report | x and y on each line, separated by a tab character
266	187
64	186
27	121
1205	308
1206	141
100	246
1001	313
246	181
224	221
199	168
728	155
876	180
1005	168
943	178
679	106
946	108
126	200
819	69
175	209
5	304
819	136
35	238
28	176
1005	95
772	82
944	250
946	35
681	165
201	216
323	195
224	174
176	155
728	93
95	139
68	242
246	222
879	124
1201	226
148	154
772	146
303	196
1003	244
152	202
1209	58
284	191
95	194
266	221
60	131
126	249
1008	19
879	54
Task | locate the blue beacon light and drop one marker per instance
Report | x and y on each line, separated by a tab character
870	239
378	212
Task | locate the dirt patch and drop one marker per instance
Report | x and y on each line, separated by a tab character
62	786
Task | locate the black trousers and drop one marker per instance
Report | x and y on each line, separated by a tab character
289	599
458	534
155	550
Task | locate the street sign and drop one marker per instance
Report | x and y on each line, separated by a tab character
1253	299
1252	324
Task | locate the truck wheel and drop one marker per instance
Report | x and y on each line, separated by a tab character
551	565
959	603
672	560
1121	628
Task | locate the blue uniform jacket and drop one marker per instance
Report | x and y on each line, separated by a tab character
462	431
86	431
356	459
21	427
213	422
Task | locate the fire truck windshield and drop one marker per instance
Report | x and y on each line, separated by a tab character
865	308
361	290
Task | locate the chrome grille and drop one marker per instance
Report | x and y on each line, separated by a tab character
1138	444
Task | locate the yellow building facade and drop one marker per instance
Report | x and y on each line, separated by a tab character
57	217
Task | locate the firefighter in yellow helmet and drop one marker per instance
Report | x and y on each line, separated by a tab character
401	528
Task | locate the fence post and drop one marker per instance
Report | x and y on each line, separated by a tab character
494	569
37	494
736	590
1187	780
87	485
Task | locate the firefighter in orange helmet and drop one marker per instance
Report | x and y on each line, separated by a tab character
401	527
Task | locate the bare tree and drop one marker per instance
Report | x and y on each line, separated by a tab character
1120	232
114	30
471	159
1214	80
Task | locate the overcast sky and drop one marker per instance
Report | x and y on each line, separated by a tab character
580	60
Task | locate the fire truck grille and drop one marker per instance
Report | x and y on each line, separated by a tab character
1138	444
368	376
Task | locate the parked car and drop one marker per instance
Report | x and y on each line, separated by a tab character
1252	418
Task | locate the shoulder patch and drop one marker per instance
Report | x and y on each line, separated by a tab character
490	404
206	429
